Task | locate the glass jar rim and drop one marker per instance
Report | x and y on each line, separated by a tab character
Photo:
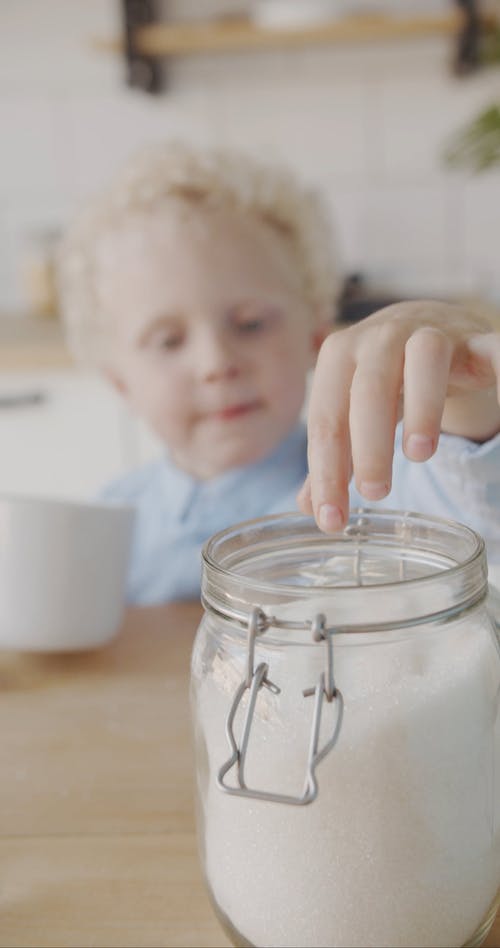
457	581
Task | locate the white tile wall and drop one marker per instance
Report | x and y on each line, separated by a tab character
404	222
367	123
46	46
420	113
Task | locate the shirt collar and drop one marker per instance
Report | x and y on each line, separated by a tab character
289	455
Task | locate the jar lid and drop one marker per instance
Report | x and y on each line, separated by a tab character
386	569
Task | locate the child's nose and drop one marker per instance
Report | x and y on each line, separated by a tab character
217	358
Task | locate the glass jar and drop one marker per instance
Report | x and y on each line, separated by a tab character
345	694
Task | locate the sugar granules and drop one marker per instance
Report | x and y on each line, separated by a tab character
398	849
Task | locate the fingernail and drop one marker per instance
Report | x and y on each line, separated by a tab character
374	490
330	518
419	447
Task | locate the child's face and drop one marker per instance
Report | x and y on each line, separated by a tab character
210	338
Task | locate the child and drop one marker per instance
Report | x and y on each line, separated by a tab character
202	285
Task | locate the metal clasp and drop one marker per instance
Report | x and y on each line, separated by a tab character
255	679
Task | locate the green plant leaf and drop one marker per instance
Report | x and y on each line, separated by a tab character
476	147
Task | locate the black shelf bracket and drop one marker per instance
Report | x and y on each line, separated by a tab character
467	53
143	72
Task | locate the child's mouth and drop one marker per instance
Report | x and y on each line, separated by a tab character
235	411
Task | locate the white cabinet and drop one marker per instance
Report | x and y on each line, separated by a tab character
65	434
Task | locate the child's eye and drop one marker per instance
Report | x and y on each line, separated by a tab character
173	342
251	325
252	319
170	341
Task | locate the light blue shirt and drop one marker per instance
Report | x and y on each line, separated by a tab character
175	513
460	482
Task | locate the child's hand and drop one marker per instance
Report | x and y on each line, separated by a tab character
434	364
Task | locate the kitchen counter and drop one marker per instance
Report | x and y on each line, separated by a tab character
31	343
97	830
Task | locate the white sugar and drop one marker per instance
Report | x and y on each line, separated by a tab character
398	847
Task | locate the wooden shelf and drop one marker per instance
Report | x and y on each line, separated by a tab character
180	39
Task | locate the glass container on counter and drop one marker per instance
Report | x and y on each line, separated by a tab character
345	694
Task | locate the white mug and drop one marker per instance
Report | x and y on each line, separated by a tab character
63	569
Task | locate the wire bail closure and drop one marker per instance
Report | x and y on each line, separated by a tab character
255	679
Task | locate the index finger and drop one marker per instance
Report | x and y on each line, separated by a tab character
329	443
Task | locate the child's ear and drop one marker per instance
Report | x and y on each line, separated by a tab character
318	337
322	328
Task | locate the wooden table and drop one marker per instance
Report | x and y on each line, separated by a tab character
97	837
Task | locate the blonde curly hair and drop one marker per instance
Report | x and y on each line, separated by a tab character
213	177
